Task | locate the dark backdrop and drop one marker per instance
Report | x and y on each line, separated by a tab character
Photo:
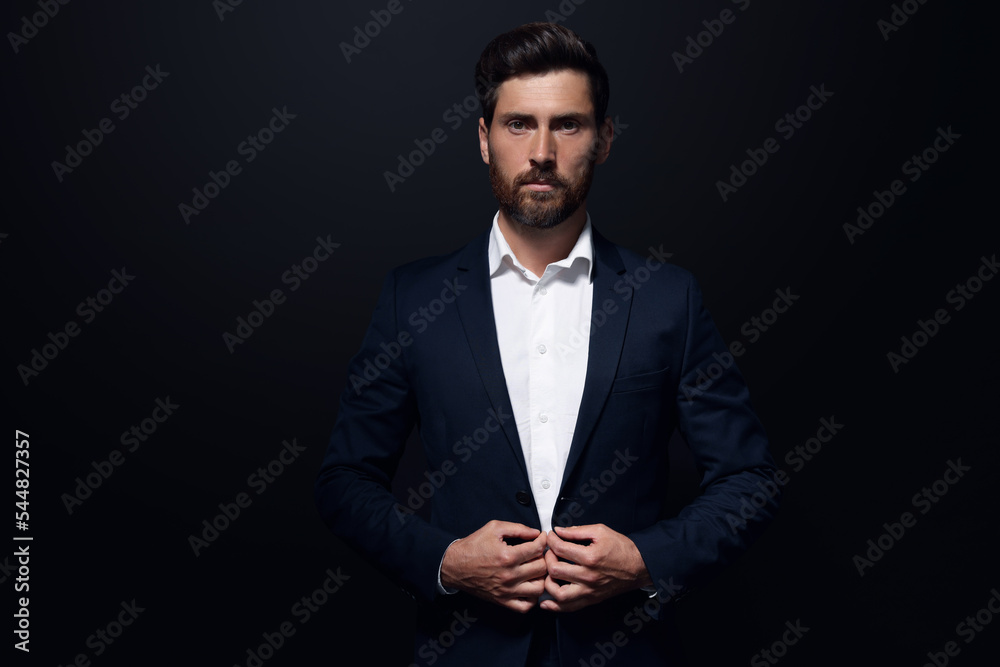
100	554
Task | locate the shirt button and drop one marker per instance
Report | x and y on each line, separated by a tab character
542	291
541	349
546	484
543	418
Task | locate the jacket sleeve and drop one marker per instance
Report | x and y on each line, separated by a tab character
353	489
739	491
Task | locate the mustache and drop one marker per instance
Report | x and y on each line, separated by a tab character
539	175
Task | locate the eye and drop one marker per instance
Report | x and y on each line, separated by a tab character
516	124
570	125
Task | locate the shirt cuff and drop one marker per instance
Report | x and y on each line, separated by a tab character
441	588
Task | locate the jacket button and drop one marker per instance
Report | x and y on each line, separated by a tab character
523	497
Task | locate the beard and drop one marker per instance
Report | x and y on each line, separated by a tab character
531	208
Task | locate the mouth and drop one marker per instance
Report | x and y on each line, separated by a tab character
542	185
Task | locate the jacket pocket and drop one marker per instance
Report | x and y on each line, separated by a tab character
641	381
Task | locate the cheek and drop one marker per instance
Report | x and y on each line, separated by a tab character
508	149
577	158
577	170
509	167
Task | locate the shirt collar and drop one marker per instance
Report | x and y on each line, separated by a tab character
500	250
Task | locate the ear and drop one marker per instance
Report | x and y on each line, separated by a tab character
606	133
484	141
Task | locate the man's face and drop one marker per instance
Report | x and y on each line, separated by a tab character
542	147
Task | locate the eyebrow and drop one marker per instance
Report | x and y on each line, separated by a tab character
577	116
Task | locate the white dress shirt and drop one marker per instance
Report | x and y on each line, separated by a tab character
543	329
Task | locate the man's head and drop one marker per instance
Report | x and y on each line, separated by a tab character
544	95
537	48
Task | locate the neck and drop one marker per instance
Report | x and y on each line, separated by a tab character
537	248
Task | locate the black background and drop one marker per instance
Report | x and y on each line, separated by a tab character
323	176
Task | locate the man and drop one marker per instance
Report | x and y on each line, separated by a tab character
545	369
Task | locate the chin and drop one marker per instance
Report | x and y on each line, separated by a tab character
539	222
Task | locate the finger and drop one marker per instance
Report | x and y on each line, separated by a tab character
553	588
563	607
518	530
553	540
567	550
564	598
535	569
529	551
563	571
540	542
550	605
578	533
520	605
528	589
551	559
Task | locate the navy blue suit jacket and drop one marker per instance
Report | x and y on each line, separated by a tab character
656	363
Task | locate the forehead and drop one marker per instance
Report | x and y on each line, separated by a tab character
553	92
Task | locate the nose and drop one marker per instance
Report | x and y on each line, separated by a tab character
543	149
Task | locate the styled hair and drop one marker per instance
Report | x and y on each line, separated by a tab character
538	48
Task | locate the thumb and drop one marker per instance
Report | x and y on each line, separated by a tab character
574	532
519	530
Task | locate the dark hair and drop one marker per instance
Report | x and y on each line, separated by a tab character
538	48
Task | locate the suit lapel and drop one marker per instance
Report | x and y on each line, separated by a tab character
475	310
605	347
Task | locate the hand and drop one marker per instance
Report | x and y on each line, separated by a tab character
609	564
484	565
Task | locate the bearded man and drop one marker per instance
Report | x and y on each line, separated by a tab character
558	366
